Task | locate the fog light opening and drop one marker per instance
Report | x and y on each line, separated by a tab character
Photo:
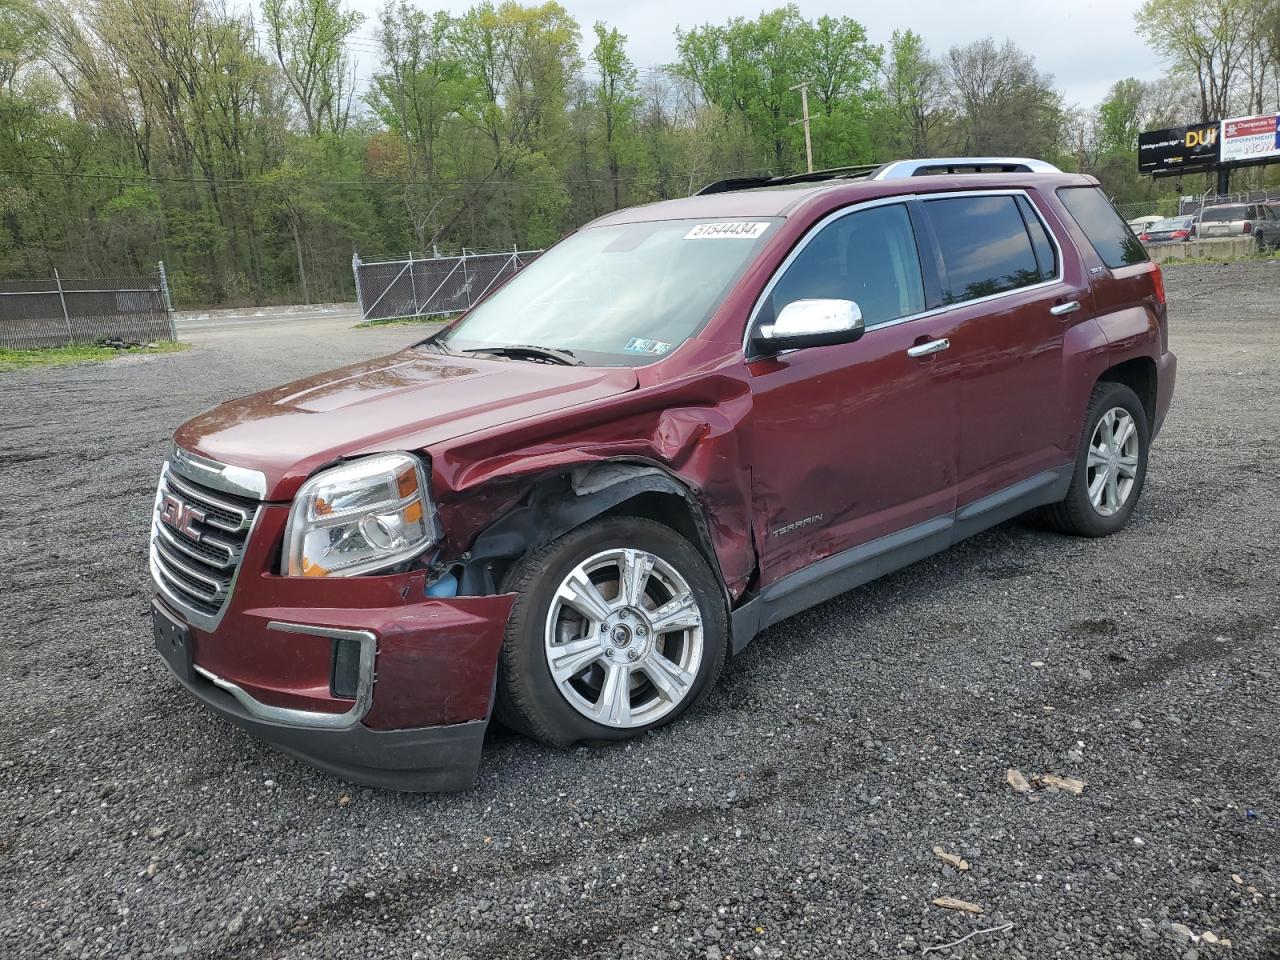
345	680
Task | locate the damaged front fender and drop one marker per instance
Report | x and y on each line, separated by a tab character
502	493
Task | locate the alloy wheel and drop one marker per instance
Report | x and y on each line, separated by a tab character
1112	465
623	638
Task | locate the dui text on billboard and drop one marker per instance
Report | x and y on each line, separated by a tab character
1179	148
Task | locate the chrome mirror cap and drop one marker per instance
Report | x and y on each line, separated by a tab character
811	323
804	318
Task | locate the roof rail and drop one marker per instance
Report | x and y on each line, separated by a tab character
896	170
901	169
745	183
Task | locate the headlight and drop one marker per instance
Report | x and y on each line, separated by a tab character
359	517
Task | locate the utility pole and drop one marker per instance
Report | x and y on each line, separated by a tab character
804	103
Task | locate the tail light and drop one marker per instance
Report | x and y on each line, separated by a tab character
1143	237
1181	234
1157	283
1248	227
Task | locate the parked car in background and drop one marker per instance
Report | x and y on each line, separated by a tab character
1171	230
1139	224
1257	220
685	422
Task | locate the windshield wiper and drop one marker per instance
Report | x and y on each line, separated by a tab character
517	350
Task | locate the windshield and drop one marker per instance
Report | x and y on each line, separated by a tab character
623	295
1170	225
1222	214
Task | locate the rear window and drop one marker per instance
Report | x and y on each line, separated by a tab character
985	246
1106	230
1223	214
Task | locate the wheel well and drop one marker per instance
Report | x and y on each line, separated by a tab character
559	503
1139	375
668	509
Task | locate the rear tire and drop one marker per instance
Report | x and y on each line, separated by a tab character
1111	465
619	627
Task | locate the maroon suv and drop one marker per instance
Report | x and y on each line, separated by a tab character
683	423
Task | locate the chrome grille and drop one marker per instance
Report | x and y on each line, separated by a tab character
198	538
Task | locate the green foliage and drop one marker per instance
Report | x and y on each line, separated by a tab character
1004	106
308	37
1120	117
138	130
11	360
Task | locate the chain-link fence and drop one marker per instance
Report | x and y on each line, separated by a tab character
63	311
431	286
1190	206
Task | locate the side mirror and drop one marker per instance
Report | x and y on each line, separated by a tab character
810	323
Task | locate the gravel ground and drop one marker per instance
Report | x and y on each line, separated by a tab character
793	815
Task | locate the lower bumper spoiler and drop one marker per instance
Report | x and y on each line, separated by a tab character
424	759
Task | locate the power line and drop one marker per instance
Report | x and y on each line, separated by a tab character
371	182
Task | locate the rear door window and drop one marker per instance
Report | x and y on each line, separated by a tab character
1106	229
985	246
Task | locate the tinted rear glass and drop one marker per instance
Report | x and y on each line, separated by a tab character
1106	230
1223	214
984	244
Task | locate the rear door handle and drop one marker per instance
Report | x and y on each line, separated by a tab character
1062	309
933	346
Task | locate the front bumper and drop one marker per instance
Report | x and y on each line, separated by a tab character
439	758
367	677
427	667
425	693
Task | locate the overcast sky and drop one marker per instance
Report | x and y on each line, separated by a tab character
1086	44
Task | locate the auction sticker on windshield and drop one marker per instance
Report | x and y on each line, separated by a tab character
737	230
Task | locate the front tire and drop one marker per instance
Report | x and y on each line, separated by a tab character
618	627
1111	465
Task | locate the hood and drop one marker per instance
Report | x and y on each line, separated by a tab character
289	432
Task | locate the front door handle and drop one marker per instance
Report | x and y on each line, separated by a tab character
933	346
1062	309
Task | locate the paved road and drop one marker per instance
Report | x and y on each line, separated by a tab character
192	323
793	815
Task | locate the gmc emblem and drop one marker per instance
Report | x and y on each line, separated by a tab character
181	516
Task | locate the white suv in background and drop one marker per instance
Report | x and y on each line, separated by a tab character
1240	220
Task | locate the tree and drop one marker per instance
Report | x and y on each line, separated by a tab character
521	59
748	68
308	38
842	67
20	27
615	97
424	85
914	93
1004	106
1120	116
1206	39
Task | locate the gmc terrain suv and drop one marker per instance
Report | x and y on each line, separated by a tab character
683	423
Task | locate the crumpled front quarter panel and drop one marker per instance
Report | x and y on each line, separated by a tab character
689	426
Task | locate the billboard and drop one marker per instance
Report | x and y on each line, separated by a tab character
1246	139
1179	149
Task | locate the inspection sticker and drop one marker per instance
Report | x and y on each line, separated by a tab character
737	230
641	345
